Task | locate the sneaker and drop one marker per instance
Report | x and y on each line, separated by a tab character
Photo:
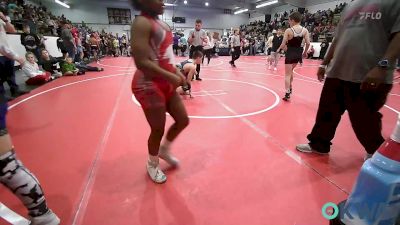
19	93
275	69
48	218
199	79
290	91
306	148
165	154
269	67
367	156
155	173
287	97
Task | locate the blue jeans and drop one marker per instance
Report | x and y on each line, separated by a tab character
3	113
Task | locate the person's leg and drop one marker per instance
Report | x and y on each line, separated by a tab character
288	80
3	60
330	110
38	80
19	180
233	54
152	100
176	109
184	47
208	54
156	118
366	120
237	50
276	59
10	76
191	51
198	48
71	52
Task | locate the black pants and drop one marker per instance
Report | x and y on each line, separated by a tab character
7	74
183	49
207	53
175	48
192	50
363	108
235	54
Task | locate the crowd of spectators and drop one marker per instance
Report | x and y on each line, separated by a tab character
78	43
321	25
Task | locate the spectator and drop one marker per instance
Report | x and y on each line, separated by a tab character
68	68
183	44
50	64
208	47
32	71
324	48
310	53
30	41
175	46
68	40
359	79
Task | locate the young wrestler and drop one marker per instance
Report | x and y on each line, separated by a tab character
188	69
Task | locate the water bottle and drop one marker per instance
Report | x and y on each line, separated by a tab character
375	199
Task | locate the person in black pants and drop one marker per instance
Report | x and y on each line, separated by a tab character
324	48
197	38
235	43
358	81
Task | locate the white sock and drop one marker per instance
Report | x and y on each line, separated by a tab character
153	159
166	143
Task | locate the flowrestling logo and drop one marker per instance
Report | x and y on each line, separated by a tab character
360	211
370	15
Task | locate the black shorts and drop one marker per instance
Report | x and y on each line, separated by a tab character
269	51
293	55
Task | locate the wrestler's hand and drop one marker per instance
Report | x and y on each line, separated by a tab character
182	77
178	79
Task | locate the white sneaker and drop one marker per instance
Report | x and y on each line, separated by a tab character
165	154
275	69
367	156
48	218
269	67
155	173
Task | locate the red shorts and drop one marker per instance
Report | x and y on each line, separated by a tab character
151	93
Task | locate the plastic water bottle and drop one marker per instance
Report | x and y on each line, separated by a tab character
375	199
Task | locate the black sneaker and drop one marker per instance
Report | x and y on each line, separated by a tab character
287	97
19	93
306	148
199	79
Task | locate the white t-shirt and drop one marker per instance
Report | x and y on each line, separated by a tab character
3	34
269	42
31	70
210	44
